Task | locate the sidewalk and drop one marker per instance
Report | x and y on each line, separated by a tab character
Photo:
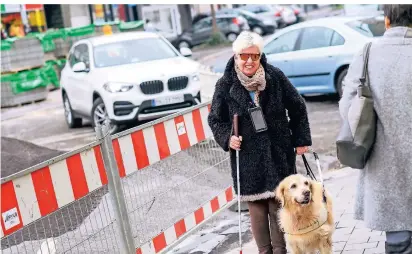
351	236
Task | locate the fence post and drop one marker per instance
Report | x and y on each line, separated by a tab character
115	189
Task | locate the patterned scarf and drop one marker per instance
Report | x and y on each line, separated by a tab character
256	83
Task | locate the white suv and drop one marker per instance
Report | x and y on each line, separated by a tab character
127	78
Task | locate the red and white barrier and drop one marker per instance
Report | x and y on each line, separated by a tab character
152	144
34	195
183	226
41	192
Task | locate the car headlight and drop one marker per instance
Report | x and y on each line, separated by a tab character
115	87
195	77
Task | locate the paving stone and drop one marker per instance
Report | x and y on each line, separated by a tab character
358	239
361	231
339	246
377	238
340	238
344	231
378	250
352	252
361	246
347	223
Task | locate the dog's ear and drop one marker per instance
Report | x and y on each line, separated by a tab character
280	194
311	185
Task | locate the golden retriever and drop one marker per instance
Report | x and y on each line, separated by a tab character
304	216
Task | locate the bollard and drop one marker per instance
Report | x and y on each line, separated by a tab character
107	30
115	189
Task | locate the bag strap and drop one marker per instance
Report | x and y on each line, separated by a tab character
365	77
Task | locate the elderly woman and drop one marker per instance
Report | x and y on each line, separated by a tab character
267	155
384	196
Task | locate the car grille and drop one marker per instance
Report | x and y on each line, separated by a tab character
152	87
157	109
177	83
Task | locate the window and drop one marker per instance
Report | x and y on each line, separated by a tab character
337	39
80	54
316	37
222	21
264	8
132	51
282	44
371	27
202	24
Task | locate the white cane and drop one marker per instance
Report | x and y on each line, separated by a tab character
236	132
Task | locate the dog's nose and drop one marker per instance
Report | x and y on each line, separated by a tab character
306	193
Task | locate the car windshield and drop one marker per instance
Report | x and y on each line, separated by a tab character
248	13
132	51
266	8
371	27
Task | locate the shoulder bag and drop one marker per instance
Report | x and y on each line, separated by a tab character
357	135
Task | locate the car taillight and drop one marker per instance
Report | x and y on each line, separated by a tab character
235	21
296	12
277	14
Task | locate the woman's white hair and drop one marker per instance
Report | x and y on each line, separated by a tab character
247	39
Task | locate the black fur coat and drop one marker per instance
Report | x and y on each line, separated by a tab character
267	157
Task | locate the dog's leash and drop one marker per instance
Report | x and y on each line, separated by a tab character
310	173
309	170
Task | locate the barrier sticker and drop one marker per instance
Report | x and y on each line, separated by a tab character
181	128
11	218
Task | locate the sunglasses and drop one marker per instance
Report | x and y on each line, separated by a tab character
246	57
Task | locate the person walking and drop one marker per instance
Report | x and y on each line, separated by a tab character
251	87
384	194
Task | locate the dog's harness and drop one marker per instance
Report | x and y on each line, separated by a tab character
315	224
323	216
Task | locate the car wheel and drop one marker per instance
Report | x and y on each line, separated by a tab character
71	120
99	115
258	30
231	37
339	82
184	44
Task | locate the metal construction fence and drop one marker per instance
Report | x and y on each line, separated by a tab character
140	191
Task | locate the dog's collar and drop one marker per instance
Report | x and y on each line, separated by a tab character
315	224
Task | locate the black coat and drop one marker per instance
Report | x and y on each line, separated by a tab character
268	157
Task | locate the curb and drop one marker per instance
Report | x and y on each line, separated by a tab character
213	55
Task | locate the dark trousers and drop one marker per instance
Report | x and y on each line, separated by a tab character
265	228
398	242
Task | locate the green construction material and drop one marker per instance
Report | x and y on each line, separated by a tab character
46	41
61	63
50	71
7	43
110	23
80	31
26	80
132	25
56	34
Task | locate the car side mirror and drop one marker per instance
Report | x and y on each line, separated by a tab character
80	67
186	52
